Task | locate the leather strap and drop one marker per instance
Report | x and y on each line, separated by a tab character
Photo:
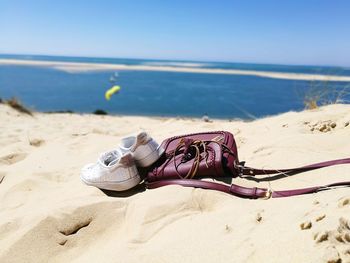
230	189
241	191
255	192
253	171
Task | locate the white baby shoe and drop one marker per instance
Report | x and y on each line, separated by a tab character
113	171
144	149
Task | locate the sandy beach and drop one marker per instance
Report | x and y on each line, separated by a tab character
48	215
72	67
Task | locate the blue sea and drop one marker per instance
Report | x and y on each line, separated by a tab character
156	93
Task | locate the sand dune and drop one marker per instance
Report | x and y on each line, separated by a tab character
72	67
48	215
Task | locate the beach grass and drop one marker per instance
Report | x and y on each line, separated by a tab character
320	93
17	105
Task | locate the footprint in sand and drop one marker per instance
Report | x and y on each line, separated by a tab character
12	158
342	233
306	225
319	218
80	225
331	255
321	236
54	234
36	142
74	229
344	202
338	239
322	126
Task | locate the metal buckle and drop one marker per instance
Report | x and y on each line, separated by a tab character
240	168
268	194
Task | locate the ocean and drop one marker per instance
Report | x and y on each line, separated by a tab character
158	93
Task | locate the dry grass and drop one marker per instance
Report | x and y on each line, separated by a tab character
322	93
17	105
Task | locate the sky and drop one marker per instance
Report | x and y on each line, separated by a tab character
304	32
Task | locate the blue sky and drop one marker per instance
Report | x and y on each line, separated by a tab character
313	32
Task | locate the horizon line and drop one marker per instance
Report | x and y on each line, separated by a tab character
178	60
75	67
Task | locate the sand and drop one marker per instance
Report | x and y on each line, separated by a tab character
76	67
48	215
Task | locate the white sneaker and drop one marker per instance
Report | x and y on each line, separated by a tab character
113	171
144	149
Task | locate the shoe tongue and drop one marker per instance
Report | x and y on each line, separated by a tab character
110	158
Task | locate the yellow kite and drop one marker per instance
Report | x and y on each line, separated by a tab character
111	91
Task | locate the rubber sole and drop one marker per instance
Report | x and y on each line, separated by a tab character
115	186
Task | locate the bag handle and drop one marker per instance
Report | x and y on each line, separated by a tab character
241	191
244	170
255	192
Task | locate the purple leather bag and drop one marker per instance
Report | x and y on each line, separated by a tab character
211	154
194	156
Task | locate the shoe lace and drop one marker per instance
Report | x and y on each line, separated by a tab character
109	158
